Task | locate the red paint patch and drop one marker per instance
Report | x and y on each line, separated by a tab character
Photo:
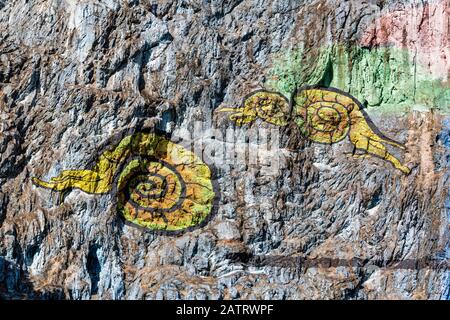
422	29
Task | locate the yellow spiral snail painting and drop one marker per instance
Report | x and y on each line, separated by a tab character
158	184
326	115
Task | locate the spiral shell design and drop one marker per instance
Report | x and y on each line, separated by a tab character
169	188
158	184
150	186
272	107
325	114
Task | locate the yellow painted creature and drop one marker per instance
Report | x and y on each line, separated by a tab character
327	115
158	184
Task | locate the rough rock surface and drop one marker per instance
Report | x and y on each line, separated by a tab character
75	72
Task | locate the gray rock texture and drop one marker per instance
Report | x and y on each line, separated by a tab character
325	226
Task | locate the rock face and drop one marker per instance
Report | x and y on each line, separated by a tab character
315	224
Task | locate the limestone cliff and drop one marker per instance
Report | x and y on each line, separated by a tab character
306	220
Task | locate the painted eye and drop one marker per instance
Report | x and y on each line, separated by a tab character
157	184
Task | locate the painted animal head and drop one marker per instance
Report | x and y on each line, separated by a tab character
268	106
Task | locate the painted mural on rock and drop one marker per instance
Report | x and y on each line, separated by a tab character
158	184
326	115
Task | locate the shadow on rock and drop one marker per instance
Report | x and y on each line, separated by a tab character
15	284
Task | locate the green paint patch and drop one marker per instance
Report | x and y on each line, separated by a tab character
292	69
383	78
